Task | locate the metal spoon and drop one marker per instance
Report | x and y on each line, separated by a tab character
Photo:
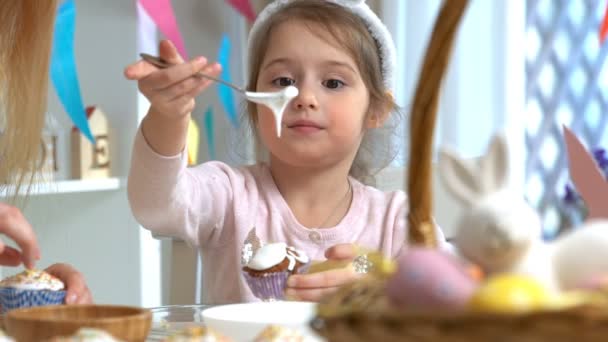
161	63
276	101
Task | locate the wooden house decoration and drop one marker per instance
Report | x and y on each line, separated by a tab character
88	160
47	164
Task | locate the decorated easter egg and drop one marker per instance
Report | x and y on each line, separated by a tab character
569	299
429	279
509	293
595	283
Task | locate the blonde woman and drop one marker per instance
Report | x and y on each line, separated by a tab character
26	28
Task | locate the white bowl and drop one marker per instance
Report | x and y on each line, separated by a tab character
242	322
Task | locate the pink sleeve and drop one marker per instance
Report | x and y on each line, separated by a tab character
172	200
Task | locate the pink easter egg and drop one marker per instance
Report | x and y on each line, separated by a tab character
597	282
429	279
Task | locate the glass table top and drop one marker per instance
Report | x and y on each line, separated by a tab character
167	320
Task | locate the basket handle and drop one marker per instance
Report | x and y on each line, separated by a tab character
423	115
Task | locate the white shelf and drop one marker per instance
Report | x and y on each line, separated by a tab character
71	186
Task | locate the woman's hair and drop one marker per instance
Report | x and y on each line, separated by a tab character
322	17
26	30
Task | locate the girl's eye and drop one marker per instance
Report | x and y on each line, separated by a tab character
283	81
333	84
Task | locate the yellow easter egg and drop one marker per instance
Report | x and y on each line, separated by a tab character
570	299
510	294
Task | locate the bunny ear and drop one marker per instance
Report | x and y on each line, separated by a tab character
495	165
458	176
587	177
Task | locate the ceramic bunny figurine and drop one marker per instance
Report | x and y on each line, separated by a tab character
500	232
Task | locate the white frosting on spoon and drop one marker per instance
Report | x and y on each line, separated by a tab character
273	254
276	101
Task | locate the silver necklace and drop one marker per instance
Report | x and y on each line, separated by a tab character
332	212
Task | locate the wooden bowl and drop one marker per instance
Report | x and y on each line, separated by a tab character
44	322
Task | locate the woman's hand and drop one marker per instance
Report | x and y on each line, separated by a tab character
77	290
312	287
14	225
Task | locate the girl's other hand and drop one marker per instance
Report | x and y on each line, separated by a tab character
312	287
171	91
77	290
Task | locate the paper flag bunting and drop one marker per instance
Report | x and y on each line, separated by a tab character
146	32
225	92
63	68
604	26
161	12
193	142
209	133
587	177
244	7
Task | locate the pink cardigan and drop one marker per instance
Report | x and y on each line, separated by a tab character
213	206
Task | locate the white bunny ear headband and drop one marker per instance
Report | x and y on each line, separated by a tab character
384	40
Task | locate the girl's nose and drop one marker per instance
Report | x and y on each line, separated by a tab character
306	99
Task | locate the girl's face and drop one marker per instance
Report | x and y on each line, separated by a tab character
325	123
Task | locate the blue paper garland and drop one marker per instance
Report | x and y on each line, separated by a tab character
225	92
63	68
209	132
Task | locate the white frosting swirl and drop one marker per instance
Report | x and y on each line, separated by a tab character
273	254
33	280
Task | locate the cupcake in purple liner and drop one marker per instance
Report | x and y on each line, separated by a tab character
267	270
30	288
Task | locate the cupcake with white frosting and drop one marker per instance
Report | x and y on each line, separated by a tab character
30	288
268	269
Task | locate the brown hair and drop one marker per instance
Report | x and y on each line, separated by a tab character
26	29
351	33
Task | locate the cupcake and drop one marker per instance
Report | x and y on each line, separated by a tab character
268	269
30	288
197	334
87	335
275	333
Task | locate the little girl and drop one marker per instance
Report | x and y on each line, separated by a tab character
310	194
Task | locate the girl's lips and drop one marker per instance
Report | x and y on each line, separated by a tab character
304	126
305	129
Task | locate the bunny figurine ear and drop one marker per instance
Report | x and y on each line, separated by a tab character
495	165
468	180
587	177
458	176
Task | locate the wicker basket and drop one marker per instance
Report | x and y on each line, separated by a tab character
361	312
